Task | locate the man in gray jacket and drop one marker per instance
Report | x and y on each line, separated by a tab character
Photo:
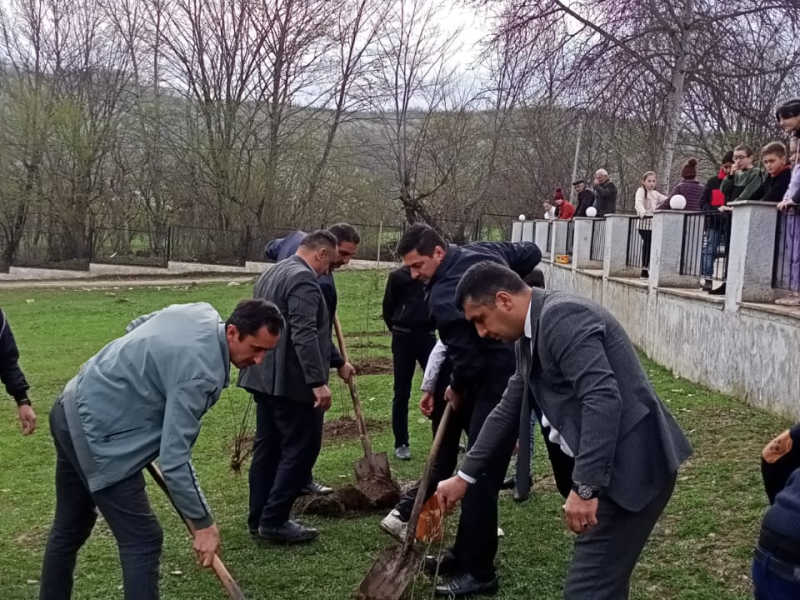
578	371
291	391
141	398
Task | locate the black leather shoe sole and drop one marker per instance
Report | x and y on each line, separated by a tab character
266	537
474	588
446	565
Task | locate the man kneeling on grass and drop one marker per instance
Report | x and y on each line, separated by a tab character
141	398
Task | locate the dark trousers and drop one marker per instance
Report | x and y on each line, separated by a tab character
606	555
647	240
408	350
126	510
774	579
285	449
562	465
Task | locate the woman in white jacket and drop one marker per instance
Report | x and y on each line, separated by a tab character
647	199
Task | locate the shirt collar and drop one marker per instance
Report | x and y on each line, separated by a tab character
528	326
226	353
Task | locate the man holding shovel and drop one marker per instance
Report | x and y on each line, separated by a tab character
578	371
141	398
480	372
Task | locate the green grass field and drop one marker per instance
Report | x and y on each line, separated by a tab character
700	550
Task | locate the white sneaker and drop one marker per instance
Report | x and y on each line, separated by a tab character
394	525
500	533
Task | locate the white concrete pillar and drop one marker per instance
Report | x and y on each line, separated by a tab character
582	245
528	231
516	231
559	237
542	231
616	252
751	256
665	252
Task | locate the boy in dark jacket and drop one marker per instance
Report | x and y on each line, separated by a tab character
714	201
13	378
779	174
405	312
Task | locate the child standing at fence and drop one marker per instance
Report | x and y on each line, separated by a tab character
788	115
647	199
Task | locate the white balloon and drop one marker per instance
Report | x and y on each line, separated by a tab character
591	211
522	217
677	202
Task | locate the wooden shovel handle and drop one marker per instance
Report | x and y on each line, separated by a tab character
426	474
340	337
219	568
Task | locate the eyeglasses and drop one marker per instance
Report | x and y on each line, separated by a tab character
740	156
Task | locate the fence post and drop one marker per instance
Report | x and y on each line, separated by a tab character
380	238
616	251
542	230
751	256
91	245
169	245
560	227
666	249
582	244
516	231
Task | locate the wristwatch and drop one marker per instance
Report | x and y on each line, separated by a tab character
584	491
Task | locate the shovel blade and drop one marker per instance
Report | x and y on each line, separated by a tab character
377	468
389	575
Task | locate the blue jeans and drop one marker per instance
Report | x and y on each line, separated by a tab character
713	240
769	585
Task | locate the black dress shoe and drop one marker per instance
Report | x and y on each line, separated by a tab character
509	483
290	532
315	489
466	585
447	564
720	291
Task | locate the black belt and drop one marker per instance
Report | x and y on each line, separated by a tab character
776	566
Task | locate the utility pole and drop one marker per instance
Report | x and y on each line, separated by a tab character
572	197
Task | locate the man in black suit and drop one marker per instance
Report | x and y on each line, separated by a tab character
405	312
578	371
291	390
480	372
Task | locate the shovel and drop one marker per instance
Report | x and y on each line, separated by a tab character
372	466
225	578
395	567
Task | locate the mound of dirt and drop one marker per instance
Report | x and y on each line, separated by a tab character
345	428
350	501
375	366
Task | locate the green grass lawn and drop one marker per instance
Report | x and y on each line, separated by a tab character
700	550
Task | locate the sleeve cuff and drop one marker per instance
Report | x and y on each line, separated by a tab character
206	521
467	478
21	398
316	384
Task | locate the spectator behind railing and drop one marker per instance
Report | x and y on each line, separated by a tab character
606	191
715	202
688	187
586	197
779	174
647	199
713	197
549	211
744	178
564	209
788	115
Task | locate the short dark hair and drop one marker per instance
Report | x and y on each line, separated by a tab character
345	232
483	280
776	148
321	238
578	182
788	109
251	314
422	238
746	148
727	157
534	279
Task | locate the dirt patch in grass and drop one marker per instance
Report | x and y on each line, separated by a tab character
364	497
346	428
374	366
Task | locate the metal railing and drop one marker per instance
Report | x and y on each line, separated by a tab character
640	237
598	250
704	248
550	236
786	269
570	236
136	247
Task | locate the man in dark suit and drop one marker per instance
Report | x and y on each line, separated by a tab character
347	241
480	372
582	376
405	312
291	390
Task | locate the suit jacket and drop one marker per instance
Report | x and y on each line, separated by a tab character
301	361
587	379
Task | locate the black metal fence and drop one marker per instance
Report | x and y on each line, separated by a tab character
137	247
598	250
549	236
48	249
570	236
786	270
640	237
704	249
